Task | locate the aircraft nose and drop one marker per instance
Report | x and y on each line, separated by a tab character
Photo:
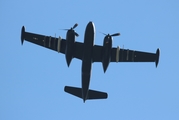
90	23
90	27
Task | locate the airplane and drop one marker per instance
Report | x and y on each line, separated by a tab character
88	53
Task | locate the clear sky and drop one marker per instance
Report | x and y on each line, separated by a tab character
32	78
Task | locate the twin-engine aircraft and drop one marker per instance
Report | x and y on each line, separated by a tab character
88	53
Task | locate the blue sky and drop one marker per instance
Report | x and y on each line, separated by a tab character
32	78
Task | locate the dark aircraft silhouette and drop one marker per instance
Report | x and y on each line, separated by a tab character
88	53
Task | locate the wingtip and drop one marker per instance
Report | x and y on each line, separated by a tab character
22	34
157	57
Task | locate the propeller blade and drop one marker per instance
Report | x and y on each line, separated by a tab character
75	26
116	34
76	34
72	27
64	29
103	33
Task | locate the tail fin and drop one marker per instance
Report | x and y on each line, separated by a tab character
92	94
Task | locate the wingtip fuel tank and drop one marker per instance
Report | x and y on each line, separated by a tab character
157	57
22	34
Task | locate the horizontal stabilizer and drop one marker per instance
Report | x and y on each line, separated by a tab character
74	91
92	94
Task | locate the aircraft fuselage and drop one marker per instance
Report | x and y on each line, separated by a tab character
87	59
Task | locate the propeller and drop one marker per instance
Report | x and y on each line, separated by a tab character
72	28
115	34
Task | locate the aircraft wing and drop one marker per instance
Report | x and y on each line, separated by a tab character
126	55
53	43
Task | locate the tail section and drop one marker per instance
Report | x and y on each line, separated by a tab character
92	94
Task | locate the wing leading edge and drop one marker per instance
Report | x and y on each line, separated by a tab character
53	43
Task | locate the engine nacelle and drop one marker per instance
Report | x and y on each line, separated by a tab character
107	47
70	40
